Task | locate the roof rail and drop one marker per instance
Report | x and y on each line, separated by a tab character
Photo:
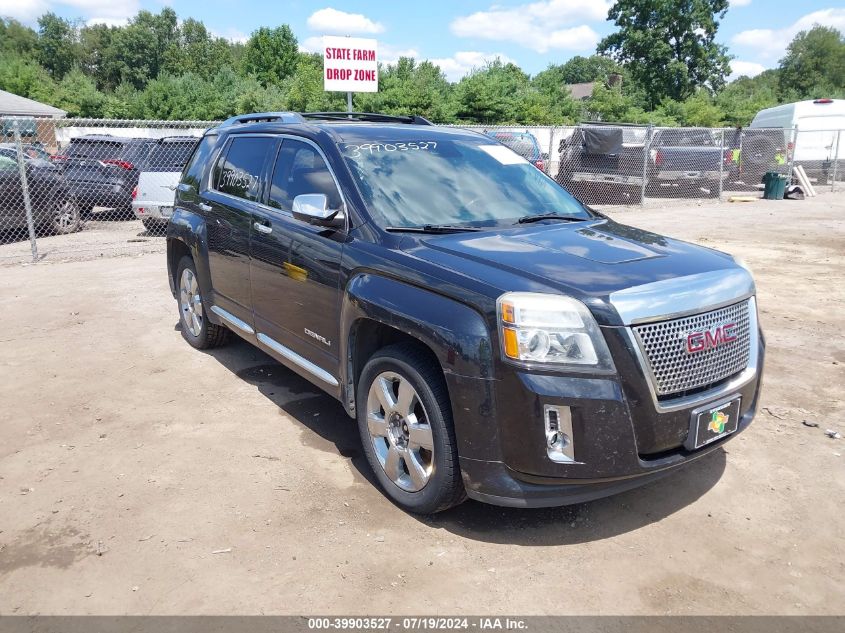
366	116
267	117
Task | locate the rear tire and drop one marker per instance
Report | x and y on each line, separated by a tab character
405	421
196	328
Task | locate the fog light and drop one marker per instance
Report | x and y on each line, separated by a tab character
559	443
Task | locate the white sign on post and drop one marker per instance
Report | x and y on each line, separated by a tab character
350	64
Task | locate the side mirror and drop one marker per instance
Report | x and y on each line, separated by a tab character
314	209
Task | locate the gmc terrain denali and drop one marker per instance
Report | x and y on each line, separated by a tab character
493	337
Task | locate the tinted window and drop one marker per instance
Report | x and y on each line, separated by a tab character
300	169
193	173
238	173
80	148
169	155
687	138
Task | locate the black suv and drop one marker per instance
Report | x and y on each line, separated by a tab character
493	337
102	170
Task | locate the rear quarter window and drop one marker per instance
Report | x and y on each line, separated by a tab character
238	171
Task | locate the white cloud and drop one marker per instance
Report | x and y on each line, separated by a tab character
108	21
389	54
231	34
540	26
463	62
24	10
740	3
748	69
332	21
103	11
770	44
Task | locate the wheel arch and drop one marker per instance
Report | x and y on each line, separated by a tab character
378	310
186	235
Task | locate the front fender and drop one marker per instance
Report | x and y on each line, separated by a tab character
456	334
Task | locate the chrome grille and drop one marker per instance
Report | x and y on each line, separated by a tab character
675	370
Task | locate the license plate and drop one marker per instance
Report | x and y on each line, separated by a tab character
166	212
713	422
693	174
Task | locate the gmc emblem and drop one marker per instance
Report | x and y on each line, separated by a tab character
709	339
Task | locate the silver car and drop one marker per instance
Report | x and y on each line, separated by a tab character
152	200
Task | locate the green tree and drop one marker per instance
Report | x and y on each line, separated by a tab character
57	46
140	50
17	39
814	65
669	46
198	51
743	98
303	89
577	70
411	87
26	77
78	95
503	93
271	54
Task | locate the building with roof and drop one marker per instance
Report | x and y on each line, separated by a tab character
15	105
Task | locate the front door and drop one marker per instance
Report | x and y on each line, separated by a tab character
228	207
295	266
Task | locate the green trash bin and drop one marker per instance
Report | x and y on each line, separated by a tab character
775	185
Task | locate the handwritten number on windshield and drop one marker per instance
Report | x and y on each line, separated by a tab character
356	151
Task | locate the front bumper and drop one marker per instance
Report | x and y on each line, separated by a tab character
621	440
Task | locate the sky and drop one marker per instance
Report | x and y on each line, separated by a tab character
461	35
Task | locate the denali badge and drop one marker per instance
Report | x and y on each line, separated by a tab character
708	339
314	335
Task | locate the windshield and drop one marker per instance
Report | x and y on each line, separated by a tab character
170	155
417	183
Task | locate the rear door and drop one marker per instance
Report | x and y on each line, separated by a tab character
295	266
228	207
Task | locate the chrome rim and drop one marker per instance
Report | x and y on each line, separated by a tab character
66	216
400	431
190	302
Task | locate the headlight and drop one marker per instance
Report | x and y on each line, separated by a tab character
550	329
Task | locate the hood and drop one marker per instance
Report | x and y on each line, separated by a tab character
587	260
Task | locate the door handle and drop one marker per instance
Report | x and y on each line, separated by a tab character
205	207
262	228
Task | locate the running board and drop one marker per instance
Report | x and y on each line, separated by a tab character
298	360
232	320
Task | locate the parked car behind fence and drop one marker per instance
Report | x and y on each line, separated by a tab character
54	208
102	170
153	197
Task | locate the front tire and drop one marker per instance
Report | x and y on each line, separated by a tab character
405	421
66	218
196	328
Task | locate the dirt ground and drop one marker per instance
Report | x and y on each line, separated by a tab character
140	476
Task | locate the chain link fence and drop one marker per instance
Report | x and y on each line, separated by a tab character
72	186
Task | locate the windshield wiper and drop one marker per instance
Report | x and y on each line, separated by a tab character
527	219
432	228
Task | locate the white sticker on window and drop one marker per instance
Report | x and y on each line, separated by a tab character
503	154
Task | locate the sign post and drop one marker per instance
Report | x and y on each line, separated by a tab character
350	64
